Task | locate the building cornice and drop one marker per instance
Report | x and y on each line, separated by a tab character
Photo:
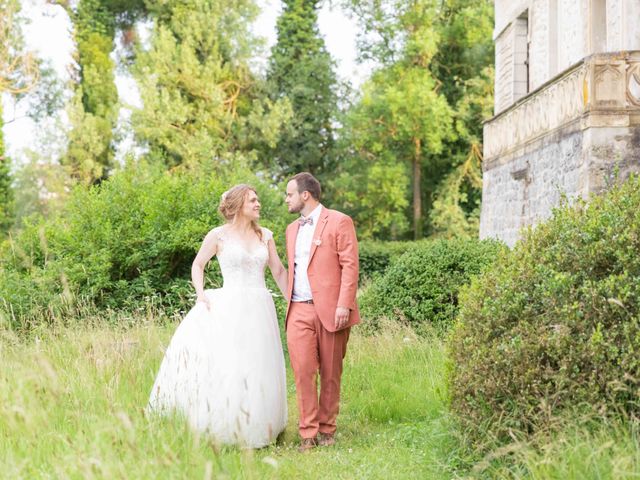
599	91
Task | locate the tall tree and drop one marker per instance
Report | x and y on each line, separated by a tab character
18	74
402	112
200	104
94	110
302	70
431	91
463	66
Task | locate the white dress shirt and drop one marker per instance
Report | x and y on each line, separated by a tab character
304	240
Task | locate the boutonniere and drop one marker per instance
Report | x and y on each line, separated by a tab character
318	242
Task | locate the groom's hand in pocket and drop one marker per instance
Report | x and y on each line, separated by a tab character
342	317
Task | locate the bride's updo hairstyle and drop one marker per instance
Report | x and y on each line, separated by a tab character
232	201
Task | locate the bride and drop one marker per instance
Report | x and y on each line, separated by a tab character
224	367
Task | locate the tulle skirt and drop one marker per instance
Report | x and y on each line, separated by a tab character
224	369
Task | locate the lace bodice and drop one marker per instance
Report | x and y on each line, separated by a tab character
240	267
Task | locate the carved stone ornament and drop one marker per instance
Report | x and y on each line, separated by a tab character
597	84
608	85
633	84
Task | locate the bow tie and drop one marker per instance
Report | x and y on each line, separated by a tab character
306	221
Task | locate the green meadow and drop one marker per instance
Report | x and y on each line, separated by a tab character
72	404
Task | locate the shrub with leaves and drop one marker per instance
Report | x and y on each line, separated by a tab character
554	325
376	256
121	244
421	286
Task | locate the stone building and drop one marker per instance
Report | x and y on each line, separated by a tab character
567	107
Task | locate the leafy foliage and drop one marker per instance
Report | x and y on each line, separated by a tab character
301	70
376	256
456	210
374	191
555	324
422	109
421	287
6	192
200	102
18	67
94	110
41	184
128	241
18	74
464	68
401	111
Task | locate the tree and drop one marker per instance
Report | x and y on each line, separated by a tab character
425	103
301	70
94	110
41	184
456	210
18	68
18	74
201	104
402	111
374	193
464	67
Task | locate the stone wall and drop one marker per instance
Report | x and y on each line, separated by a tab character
574	136
575	126
611	155
573	26
524	189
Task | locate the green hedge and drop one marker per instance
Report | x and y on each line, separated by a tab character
123	244
554	325
421	286
375	256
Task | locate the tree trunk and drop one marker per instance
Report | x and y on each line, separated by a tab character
417	194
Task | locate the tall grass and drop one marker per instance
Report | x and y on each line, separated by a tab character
578	447
72	400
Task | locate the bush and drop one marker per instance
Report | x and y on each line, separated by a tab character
421	286
554	325
122	244
375	256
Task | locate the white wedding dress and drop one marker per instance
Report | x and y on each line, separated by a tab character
224	368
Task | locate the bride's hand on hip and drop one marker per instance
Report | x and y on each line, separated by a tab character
203	299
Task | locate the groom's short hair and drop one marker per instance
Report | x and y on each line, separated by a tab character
309	183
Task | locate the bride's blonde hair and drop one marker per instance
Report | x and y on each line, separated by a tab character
232	201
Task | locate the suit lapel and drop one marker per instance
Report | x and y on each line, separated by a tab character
317	234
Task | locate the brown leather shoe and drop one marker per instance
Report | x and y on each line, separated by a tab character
326	440
307	444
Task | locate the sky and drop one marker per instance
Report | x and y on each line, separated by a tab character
48	33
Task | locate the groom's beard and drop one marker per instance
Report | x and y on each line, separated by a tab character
296	208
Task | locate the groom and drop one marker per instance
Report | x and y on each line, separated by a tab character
322	250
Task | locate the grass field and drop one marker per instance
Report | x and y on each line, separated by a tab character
72	400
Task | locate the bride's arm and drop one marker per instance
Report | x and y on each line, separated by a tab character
208	249
277	269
